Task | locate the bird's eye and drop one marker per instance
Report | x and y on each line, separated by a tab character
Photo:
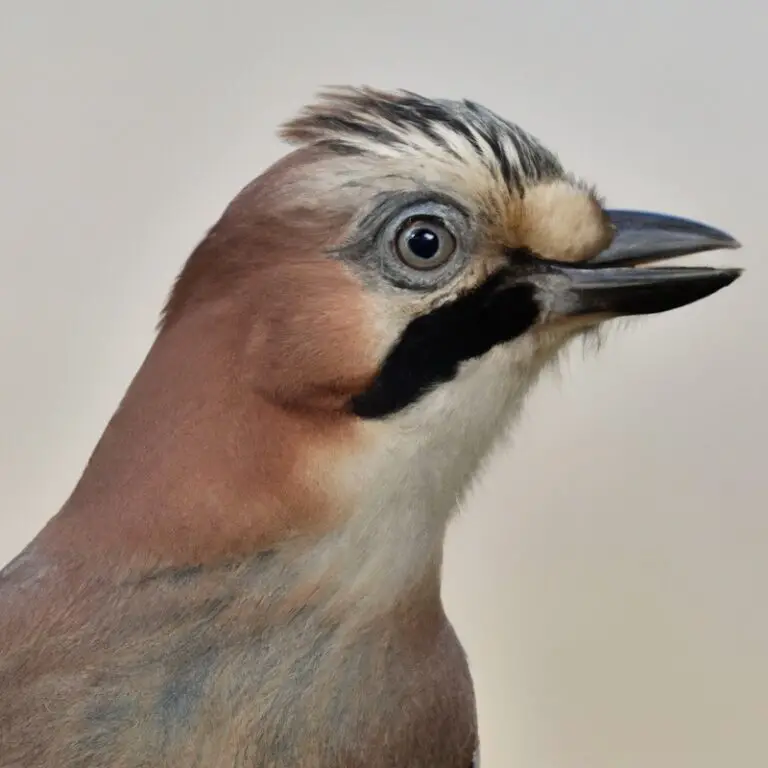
425	244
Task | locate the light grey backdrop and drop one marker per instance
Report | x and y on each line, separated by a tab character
610	575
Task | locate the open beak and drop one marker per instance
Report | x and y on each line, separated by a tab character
615	283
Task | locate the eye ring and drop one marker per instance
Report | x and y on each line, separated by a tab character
424	244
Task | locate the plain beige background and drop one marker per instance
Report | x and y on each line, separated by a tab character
610	575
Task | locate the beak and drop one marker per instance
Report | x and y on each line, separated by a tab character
613	283
646	237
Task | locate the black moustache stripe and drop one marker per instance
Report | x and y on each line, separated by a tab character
432	346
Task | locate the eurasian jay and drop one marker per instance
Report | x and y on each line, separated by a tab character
248	572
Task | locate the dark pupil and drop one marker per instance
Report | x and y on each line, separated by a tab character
423	243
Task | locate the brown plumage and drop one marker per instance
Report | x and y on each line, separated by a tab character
248	571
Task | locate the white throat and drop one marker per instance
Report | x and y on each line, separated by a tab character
418	466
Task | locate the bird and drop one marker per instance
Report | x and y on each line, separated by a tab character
248	571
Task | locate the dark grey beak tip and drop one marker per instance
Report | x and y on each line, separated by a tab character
731	243
701	285
730	275
697	284
714	241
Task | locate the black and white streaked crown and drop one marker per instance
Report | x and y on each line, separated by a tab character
350	120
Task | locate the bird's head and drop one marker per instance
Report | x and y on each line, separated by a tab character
390	290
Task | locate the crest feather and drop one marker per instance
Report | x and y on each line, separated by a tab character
369	121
